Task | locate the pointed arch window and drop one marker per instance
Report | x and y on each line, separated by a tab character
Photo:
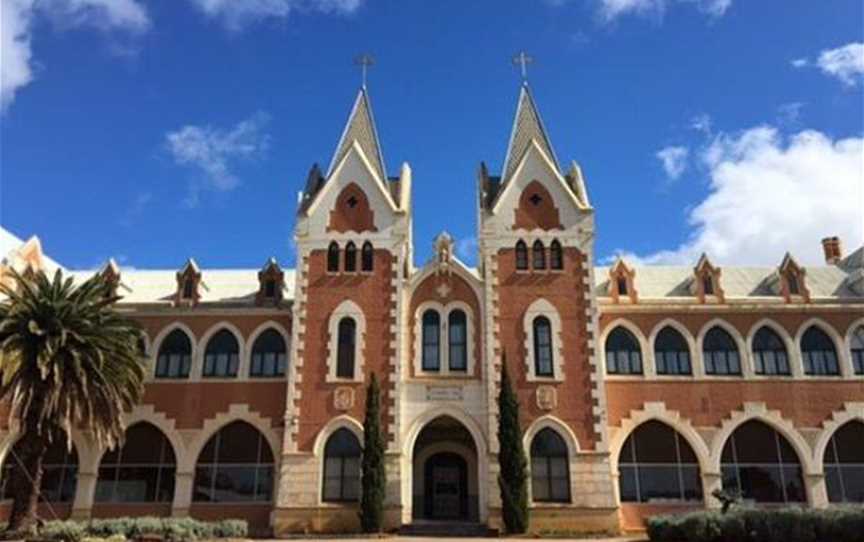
657	464
550	467
856	350
59	472
671	353
342	467
189	288
543	358
222	355
236	465
142	470
457	333
269	355
844	464
818	353
769	353
347	348
623	354
350	257
760	464
538	255
720	353
556	256
175	356
707	284
333	258
431	340
367	257
521	255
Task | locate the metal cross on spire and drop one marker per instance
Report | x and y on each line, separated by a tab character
364	61
522	60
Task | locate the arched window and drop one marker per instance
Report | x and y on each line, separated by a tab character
350	257
457	333
623	355
175	356
188	288
347	348
550	468
657	464
844	464
431	340
333	258
760	464
341	467
59	472
556	256
856	350
236	465
269	355
769	353
521	255
708	284
538	255
818	353
542	346
142	470
367	257
222	355
720	353
671	353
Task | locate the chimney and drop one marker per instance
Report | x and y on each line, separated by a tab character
833	250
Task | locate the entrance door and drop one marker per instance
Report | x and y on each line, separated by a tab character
446	487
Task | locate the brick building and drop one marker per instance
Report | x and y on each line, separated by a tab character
642	388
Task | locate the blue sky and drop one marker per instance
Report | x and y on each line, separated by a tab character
152	131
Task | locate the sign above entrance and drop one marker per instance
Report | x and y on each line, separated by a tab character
443	393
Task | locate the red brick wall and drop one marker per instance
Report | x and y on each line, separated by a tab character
542	216
344	218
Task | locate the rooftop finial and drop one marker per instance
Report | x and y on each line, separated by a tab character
364	61
522	60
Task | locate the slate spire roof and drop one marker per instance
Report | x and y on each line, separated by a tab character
361	128
527	126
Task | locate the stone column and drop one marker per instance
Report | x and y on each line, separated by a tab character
183	482
816	492
84	495
711	481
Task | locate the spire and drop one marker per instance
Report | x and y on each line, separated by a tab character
361	128
527	126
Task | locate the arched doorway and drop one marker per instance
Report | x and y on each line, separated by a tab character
445	474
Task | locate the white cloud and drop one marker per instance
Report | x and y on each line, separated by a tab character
674	160
16	26
214	151
770	194
235	14
789	114
702	123
612	9
845	63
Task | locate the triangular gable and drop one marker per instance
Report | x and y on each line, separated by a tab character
527	127
360	128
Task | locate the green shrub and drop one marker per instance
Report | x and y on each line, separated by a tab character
65	531
231	528
120	529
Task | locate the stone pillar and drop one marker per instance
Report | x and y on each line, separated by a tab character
183	482
817	493
84	495
711	481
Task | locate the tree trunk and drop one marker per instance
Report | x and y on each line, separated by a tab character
27	484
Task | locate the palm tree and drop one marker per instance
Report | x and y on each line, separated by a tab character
67	360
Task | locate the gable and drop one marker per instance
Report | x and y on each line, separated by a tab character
536	209
351	211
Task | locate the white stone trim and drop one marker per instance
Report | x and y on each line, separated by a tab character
688	338
250	344
153	353
792	353
339	422
843	359
201	351
839	418
554	423
346	309
644	346
444	311
848	340
148	414
542	307
743	357
294	394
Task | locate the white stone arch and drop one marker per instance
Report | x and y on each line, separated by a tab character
772	418
556	424
456	266
88	454
339	422
480	445
444	310
198	360
792	353
148	414
153	353
743	356
848	346
644	345
651	368
542	307
839	418
350	309
250	344
832	333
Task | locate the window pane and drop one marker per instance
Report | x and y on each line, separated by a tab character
627	484
431	340
659	483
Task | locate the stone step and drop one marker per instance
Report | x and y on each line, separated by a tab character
445	529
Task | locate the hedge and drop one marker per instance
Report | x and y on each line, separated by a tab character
760	525
120	528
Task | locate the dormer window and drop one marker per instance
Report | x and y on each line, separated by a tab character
189	288
188	282
270	288
622	286
706	281
792	281
708	285
270	281
621	283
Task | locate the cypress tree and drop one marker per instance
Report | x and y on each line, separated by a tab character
374	478
513	478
